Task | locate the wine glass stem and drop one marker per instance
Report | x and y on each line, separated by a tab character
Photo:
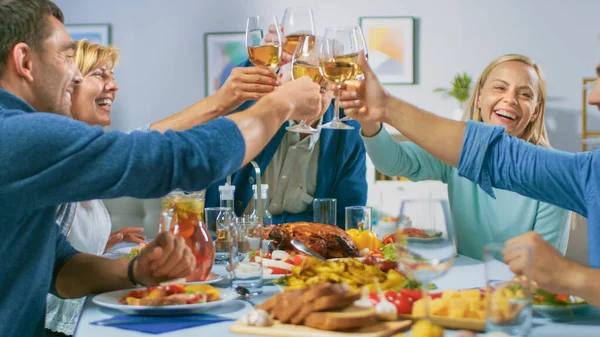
426	299
336	104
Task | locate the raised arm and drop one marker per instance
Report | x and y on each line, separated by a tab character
404	159
483	154
56	160
243	84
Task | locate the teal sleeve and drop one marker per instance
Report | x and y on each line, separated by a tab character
405	159
553	224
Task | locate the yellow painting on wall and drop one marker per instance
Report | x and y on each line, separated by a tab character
390	44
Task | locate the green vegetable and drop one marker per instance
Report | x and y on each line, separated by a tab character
389	252
252	254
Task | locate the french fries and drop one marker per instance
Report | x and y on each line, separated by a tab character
350	271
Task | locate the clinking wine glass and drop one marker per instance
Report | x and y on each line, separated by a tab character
263	40
297	22
305	62
425	257
362	45
338	56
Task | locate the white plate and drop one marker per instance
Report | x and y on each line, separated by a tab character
212	278
111	299
561	310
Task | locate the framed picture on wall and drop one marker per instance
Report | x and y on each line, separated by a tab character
222	52
99	33
391	45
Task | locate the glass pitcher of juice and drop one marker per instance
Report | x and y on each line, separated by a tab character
183	215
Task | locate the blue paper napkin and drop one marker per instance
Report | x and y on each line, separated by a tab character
160	324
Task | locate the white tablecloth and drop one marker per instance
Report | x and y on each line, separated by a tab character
466	273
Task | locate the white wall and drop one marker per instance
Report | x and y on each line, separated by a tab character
162	64
162	67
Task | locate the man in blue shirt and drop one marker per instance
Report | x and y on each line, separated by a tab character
47	159
488	156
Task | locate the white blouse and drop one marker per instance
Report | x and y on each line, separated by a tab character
89	233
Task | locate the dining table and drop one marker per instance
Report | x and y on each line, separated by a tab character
466	273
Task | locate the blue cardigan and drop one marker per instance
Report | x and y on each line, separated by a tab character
341	173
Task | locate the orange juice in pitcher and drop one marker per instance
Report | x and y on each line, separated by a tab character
183	215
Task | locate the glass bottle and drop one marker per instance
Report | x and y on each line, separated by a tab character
261	216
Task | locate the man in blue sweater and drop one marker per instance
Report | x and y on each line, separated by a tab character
48	159
298	168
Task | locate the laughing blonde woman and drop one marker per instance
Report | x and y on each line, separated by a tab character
511	92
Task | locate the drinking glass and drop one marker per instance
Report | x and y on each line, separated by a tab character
425	258
358	217
305	62
362	44
338	55
325	211
245	248
263	40
297	22
217	222
509	307
183	215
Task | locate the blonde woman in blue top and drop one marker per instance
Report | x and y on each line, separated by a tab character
510	92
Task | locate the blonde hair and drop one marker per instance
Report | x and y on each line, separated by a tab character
89	56
535	132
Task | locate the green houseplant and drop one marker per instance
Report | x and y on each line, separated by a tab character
460	89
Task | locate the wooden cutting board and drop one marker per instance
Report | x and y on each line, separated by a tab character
472	324
384	329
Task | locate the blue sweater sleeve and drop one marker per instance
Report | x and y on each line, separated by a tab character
492	158
64	251
58	160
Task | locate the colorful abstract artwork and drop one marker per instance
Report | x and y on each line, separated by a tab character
391	47
222	52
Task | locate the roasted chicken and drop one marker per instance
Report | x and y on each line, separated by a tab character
327	240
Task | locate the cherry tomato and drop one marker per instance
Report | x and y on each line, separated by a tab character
278	271
402	302
268	255
388	239
137	293
370	260
387	265
562	298
417	294
174	289
298	259
374	298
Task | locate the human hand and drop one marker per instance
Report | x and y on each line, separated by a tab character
302	95
365	100
547	266
245	84
166	258
127	234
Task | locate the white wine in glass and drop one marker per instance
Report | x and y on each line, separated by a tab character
305	62
263	41
297	22
339	51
